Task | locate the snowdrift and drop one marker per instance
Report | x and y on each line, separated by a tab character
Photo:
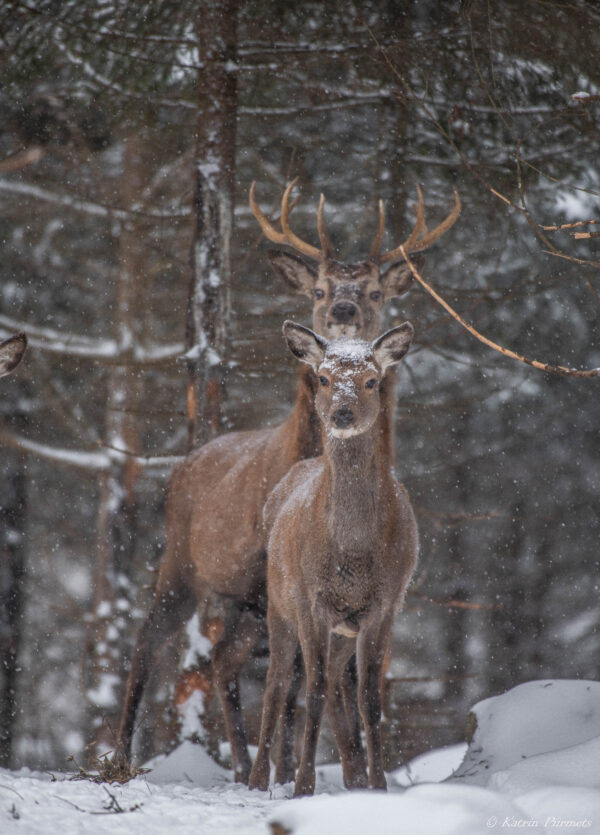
531	763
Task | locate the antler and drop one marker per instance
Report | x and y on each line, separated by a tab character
420	238
287	236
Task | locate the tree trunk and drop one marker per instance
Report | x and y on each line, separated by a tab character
213	210
458	620
13	507
208	300
108	648
520	585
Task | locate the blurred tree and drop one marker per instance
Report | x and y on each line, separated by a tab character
13	555
216	32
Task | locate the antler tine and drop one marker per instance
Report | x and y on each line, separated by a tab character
439	230
292	239
267	227
325	245
420	238
374	255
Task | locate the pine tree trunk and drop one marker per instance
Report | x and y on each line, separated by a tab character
458	620
213	211
108	648
208	300
13	506
519	585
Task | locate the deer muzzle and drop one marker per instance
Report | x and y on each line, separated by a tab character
344	312
343	417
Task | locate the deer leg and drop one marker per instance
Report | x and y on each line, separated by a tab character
371	648
283	643
344	721
350	693
170	609
240	633
285	764
315	649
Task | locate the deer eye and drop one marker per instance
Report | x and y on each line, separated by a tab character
324	381
376	295
371	383
318	293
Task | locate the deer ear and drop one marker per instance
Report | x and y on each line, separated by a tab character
390	347
397	280
11	352
296	274
304	343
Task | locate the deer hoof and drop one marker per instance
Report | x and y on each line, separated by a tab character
378	782
258	780
285	774
357	781
242	776
304	786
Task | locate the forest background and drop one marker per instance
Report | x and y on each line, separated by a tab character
129	136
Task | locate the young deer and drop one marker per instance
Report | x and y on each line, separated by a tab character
11	353
341	550
215	541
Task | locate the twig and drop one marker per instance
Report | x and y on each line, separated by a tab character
542	366
570	225
10	789
21	160
454	604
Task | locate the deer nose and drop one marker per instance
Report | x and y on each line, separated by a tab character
343	311
343	417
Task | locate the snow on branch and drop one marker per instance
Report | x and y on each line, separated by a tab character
113	87
100	350
97	461
354	101
80	204
85	459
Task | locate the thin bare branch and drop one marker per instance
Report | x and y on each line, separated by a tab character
454	604
21	160
542	366
570	225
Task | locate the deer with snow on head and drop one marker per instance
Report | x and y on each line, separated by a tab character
342	546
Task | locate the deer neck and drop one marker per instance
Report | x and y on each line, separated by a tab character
385	421
303	427
355	478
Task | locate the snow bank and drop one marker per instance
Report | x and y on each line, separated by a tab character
532	763
432	767
422	810
188	763
539	744
532	719
39	804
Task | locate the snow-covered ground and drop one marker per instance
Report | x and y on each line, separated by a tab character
533	763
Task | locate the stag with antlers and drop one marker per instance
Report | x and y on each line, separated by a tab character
215	539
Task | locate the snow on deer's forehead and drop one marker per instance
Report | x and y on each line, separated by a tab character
347	355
